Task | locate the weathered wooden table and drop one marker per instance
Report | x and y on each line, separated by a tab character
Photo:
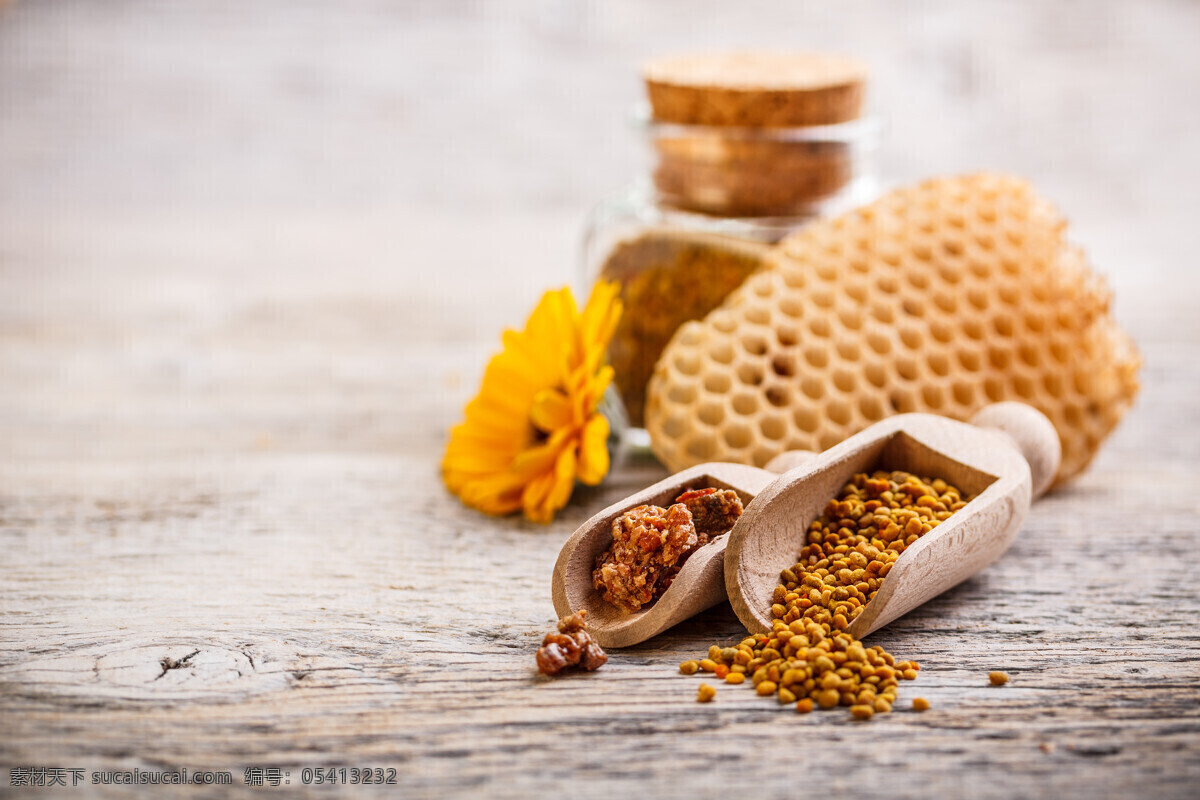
224	395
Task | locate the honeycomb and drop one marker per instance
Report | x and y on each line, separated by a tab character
941	297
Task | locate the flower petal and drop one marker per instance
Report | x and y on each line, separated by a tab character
550	492
551	410
533	499
593	451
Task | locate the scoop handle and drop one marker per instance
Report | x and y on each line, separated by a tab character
1031	433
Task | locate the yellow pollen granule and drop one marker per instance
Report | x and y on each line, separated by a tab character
808	658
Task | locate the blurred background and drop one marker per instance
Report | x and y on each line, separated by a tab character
418	172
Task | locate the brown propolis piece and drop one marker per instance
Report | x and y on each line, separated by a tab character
755	89
942	297
570	646
650	544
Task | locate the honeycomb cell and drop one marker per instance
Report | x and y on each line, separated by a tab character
985	241
739	435
848	350
683	393
1035	324
718	382
904	399
952	248
806	419
688	363
675	426
851	318
963	393
1029	353
876	374
690	335
870	407
750	374
893	257
784	365
757	315
843	379
773	427
911	338
817	357
907	368
702	448
977	296
932	396
880	342
721	320
721	352
791	306
778	395
753	343
856	292
976	263
941	330
840	413
711	413
912	306
745	403
970	359
813	387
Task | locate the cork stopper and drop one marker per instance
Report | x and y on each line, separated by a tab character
755	89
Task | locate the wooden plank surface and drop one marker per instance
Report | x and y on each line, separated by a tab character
231	345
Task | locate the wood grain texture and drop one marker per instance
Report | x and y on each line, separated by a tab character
232	338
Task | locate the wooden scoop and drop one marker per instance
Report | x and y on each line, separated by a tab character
1008	455
984	460
700	583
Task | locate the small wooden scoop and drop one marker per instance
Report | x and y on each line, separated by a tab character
1008	455
700	583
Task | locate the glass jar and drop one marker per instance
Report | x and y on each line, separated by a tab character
711	202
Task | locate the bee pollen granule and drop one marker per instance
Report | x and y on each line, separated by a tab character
809	658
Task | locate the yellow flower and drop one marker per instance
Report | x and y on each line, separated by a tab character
533	429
